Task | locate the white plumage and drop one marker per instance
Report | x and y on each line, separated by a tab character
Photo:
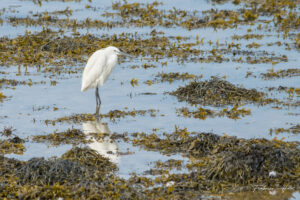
98	68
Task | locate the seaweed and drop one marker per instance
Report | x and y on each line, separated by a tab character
217	92
112	115
13	145
170	77
294	129
7	131
202	113
226	163
271	74
79	173
69	169
48	172
71	136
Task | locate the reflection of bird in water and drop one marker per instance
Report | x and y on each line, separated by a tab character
105	147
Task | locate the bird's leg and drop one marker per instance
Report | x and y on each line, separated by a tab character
98	101
98	96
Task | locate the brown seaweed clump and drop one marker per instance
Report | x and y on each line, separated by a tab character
227	164
271	74
13	145
294	129
7	166
202	113
90	157
2	96
7	131
48	172
112	115
217	92
70	169
71	136
13	82
170	77
80	173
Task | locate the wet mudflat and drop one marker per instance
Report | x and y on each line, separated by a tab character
209	107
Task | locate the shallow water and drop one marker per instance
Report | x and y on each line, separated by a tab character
27	107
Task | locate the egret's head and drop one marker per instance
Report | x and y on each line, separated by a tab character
113	50
116	51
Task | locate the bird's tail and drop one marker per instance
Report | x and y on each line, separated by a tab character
83	88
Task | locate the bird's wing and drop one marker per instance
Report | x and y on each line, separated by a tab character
93	69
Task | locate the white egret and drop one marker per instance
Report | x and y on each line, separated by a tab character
99	66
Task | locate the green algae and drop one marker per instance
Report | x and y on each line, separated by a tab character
217	92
